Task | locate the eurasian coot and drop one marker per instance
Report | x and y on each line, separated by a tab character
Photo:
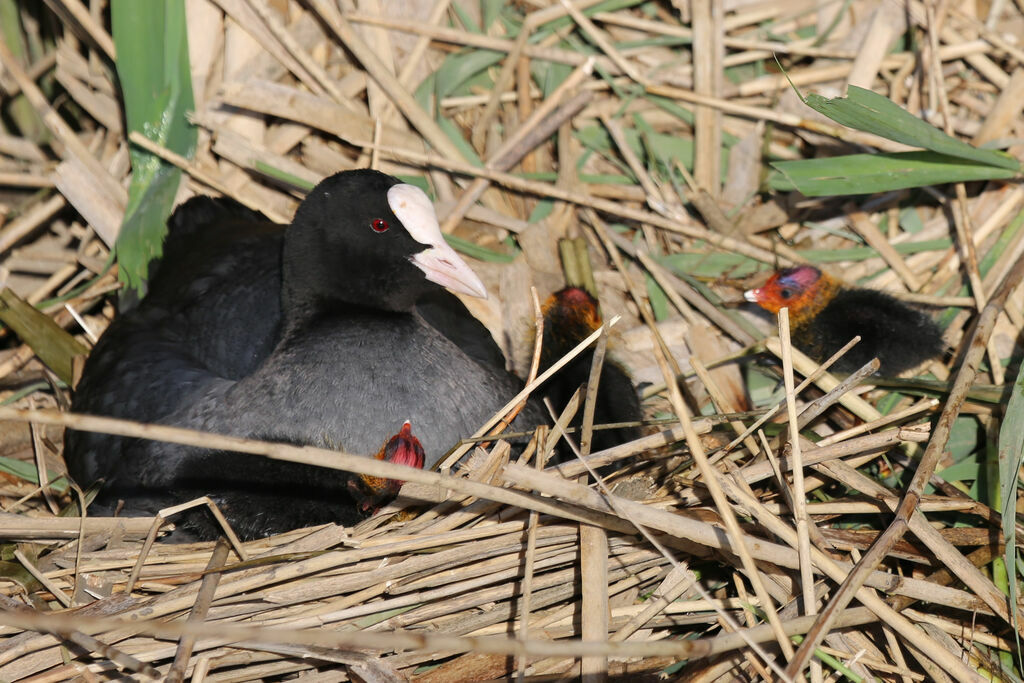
570	316
824	316
306	335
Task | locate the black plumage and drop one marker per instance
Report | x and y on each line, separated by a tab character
899	336
570	316
825	316
305	335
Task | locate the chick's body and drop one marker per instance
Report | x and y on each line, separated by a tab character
824	316
570	316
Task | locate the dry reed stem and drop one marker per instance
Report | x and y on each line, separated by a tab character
679	527
515	147
185	165
797	495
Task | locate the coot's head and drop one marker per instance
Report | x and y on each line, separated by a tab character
570	315
402	449
363	237
805	290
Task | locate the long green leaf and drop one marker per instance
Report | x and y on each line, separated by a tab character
460	69
153	67
474	250
861	253
19	109
1011	457
869	173
27	471
868	111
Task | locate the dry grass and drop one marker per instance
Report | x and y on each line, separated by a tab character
720	537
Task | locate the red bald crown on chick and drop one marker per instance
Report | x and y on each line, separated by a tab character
401	449
825	315
805	290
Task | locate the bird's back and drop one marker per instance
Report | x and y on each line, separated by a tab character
212	312
901	337
210	348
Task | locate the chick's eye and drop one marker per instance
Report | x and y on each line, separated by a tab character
379	225
786	292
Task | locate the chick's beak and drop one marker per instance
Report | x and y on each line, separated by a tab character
752	295
443	266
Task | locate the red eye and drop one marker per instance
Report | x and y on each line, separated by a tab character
379	225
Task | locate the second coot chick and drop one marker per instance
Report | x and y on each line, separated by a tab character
824	316
306	335
570	316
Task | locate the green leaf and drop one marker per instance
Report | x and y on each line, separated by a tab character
763	389
659	41
417	180
606	6
489	10
19	109
455	135
872	173
910	220
476	251
999	247
424	93
672	107
283	176
541	211
53	344
889	402
710	264
153	69
1011	457
466	19
964	440
946	159
967	469
861	253
15	572
460	69
670	148
657	298
548	76
26	471
868	111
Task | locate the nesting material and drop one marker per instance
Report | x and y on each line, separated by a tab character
700	552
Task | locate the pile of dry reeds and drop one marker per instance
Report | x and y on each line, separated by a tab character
533	122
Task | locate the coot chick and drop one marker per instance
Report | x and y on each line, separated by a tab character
307	335
570	316
824	316
402	449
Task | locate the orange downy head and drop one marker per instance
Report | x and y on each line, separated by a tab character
402	449
805	290
570	316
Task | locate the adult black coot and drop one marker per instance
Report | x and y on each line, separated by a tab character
824	316
307	335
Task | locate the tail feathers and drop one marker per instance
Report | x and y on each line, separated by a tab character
191	219
202	211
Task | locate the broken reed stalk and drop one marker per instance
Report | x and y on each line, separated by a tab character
797	496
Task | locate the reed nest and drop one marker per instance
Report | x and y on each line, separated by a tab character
717	546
